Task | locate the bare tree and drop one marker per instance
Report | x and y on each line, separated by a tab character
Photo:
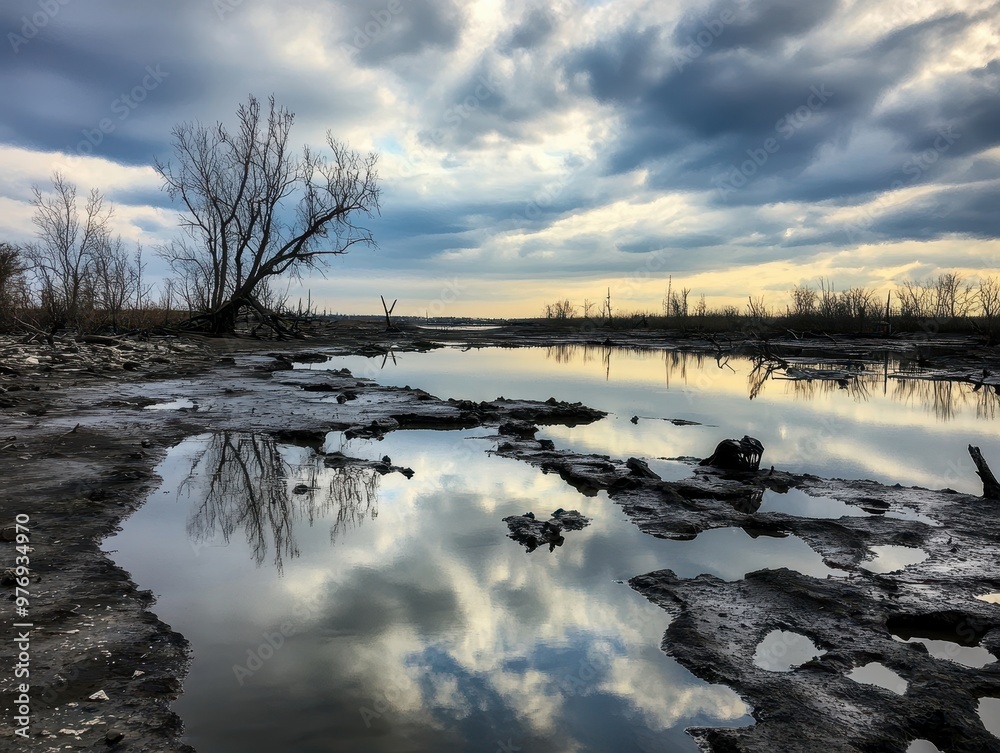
989	303
117	281
952	297
829	305
559	310
68	242
914	299
13	287
803	300
701	308
757	309
858	304
252	210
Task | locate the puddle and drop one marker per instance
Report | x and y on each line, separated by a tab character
797	502
801	504
180	404
878	674
989	713
783	651
991	598
731	553
923	746
413	621
969	656
891	557
671	470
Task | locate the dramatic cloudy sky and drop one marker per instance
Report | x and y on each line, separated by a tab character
530	152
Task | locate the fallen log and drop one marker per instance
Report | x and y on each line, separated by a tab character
991	489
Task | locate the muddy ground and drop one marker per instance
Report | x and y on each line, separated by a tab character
78	448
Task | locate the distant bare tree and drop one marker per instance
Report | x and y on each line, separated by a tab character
858	304
988	295
914	299
13	286
829	305
559	310
117	281
953	297
253	211
757	309
803	300
701	308
68	242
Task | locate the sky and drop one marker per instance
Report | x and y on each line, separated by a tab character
534	152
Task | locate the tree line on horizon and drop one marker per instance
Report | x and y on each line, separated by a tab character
948	298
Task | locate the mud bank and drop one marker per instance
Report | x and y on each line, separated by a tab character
77	458
854	618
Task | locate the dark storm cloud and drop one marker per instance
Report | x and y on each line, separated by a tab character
966	104
730	102
377	32
759	26
967	211
102	78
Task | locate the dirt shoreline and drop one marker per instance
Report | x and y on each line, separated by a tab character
78	452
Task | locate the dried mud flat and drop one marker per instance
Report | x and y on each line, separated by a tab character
78	451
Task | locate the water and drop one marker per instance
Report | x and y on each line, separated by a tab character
875	673
801	504
908	431
989	713
891	557
969	656
376	613
783	651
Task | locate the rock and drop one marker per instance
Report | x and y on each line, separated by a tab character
641	469
321	387
518	429
100	695
531	533
113	736
736	454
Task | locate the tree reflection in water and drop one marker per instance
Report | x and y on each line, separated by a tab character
250	481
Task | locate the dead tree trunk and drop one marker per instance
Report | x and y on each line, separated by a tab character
991	489
388	312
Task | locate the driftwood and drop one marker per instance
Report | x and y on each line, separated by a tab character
991	489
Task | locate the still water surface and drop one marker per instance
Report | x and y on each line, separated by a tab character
379	613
